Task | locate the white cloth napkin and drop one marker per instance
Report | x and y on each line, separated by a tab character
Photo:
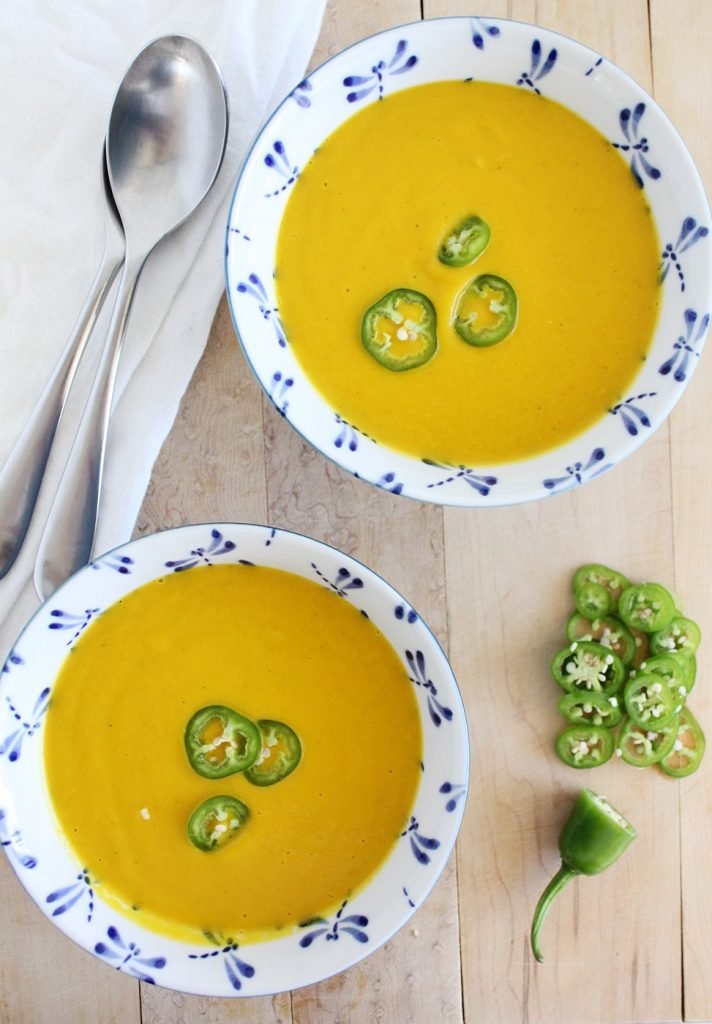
60	65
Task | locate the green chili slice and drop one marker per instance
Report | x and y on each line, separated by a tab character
593	838
593	600
399	330
590	709
648	607
467	240
606	630
681	636
220	741
486	311
687	750
280	755
593	572
677	671
588	666
216	822
584	746
641	747
649	700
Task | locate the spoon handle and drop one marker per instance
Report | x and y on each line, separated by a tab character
21	476
68	536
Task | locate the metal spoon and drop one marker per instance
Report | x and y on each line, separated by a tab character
164	148
22	474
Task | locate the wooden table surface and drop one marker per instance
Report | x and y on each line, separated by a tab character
633	945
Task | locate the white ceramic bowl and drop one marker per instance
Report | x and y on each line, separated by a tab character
530	58
63	889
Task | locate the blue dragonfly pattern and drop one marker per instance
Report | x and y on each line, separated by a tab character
636	144
26	726
482	483
690	233
68	896
578	472
360	86
256	290
419	675
126	956
218	546
278	161
237	970
538	69
77	622
632	416
421	846
351	924
343	582
687	347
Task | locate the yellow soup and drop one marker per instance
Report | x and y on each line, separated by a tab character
271	645
570	231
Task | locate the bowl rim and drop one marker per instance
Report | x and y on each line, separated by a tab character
300	546
576	471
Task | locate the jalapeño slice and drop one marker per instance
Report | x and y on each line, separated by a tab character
641	747
465	242
648	607
584	746
587	666
606	630
399	330
687	750
593	572
681	636
649	700
486	311
280	755
590	709
215	822
220	741
676	670
593	600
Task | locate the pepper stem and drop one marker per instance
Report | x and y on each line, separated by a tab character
560	879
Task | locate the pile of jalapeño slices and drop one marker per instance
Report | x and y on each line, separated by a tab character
627	672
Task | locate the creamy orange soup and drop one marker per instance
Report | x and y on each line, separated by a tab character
570	230
271	645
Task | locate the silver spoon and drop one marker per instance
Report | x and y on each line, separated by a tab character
164	147
22	474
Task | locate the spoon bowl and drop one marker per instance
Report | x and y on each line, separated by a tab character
164	148
166	137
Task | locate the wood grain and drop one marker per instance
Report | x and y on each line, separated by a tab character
632	946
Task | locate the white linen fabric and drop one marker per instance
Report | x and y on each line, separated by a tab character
60	65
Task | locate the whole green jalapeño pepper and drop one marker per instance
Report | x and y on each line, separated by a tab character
465	242
595	836
220	741
399	329
486	311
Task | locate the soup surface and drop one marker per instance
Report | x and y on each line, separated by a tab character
271	645
570	230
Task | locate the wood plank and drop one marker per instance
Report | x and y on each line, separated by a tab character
415	977
508	579
683	80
